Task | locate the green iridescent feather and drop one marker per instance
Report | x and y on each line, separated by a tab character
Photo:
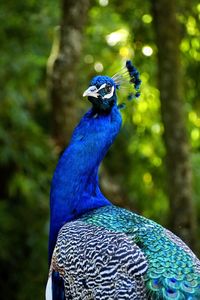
173	269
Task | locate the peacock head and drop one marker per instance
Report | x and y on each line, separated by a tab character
102	93
102	90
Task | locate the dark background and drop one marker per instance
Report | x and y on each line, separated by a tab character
49	52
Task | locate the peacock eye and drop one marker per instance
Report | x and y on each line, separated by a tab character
108	88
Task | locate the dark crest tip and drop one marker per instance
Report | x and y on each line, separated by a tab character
134	77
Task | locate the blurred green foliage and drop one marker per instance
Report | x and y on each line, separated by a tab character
115	31
27	153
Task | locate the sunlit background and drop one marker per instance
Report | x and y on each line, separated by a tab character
28	156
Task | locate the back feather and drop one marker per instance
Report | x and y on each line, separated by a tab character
173	269
112	253
96	263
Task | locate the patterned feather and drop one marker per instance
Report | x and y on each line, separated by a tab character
97	263
112	252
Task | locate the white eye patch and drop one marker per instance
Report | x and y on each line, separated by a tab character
102	86
107	96
93	91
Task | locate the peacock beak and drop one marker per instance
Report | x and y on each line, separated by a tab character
91	91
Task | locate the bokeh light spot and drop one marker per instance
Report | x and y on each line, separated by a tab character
98	66
195	134
156	128
115	37
88	59
124	51
103	2
147	50
147	18
147	178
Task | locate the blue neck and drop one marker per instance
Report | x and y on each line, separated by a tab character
75	189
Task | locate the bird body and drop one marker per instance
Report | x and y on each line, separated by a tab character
100	251
153	262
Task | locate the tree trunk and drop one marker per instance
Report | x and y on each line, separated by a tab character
182	214
62	65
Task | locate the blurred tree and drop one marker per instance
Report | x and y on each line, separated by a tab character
62	69
182	213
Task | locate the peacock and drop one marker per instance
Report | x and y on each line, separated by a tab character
96	249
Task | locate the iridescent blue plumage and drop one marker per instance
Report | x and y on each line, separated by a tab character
102	251
99	80
74	188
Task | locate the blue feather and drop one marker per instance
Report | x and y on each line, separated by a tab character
75	189
58	290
